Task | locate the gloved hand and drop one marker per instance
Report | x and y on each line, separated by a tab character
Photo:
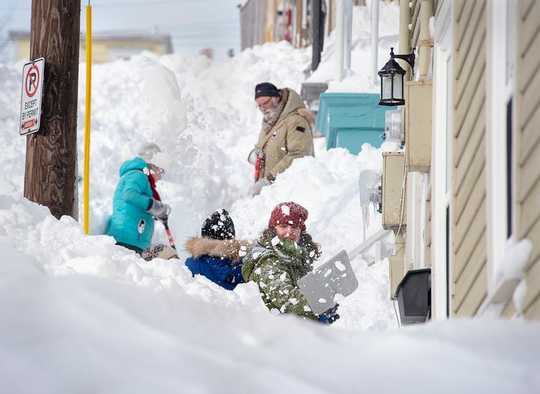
159	210
257	186
329	316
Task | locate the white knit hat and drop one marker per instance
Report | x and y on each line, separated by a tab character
148	150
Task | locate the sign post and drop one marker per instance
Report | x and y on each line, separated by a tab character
31	94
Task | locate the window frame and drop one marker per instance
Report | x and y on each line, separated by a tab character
441	170
501	174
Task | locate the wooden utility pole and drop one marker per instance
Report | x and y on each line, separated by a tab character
51	154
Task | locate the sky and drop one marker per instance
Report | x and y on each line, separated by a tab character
193	24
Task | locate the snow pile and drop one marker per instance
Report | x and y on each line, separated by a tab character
514	260
204	119
207	126
513	266
13	146
82	334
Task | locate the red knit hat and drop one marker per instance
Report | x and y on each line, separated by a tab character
288	213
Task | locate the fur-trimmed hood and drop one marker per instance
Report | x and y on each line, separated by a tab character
230	248
308	115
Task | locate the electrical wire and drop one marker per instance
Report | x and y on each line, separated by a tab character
403	190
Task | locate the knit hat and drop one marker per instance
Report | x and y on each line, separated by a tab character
148	150
288	213
218	225
266	89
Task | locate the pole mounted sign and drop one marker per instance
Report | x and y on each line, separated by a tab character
31	94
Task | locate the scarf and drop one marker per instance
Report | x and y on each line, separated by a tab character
155	193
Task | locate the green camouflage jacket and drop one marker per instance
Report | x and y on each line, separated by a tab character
276	267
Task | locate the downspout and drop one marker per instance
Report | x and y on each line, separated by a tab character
404	37
425	41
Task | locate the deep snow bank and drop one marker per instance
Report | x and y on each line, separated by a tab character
84	334
204	119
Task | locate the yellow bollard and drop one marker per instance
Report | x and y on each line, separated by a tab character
87	125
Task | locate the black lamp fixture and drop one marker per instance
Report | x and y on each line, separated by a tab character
392	79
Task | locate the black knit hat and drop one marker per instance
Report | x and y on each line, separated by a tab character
266	89
219	225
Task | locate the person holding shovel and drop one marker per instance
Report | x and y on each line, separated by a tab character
282	255
136	203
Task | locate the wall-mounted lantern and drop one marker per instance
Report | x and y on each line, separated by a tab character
392	79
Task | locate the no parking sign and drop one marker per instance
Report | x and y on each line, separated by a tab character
31	94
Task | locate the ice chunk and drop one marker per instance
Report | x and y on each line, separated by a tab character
368	182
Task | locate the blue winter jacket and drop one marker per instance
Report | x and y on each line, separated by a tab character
219	270
130	223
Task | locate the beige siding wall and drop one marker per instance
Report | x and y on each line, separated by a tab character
469	158
528	143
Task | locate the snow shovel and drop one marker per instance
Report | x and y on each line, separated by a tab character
162	251
333	278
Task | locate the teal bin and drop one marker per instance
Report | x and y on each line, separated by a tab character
348	120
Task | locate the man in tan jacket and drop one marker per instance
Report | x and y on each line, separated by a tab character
286	132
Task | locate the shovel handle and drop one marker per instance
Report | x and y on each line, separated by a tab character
169	233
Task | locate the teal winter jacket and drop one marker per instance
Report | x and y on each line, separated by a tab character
130	223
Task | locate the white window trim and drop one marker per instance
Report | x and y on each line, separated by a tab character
498	94
441	158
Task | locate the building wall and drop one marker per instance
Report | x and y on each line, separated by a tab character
252	23
22	49
471	141
261	23
528	145
469	274
103	50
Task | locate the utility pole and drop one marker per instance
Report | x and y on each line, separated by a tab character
51	154
317	23
339	42
348	22
375	41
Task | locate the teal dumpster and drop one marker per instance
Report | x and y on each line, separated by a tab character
348	120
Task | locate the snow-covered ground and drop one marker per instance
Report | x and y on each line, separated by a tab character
82	315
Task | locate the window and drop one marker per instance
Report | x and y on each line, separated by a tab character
509	160
499	137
